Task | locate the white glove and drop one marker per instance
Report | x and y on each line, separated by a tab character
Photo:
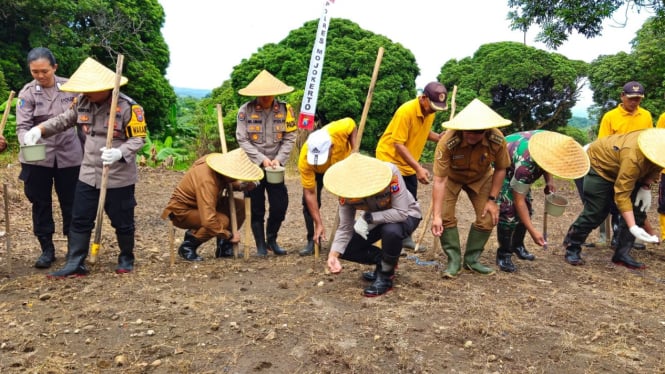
639	233
110	155
644	198
31	137
361	227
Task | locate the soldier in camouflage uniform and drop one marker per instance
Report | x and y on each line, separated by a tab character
533	154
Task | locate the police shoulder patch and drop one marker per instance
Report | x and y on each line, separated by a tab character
394	185
136	127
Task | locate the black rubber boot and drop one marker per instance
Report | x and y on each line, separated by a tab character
259	238
625	241
518	243
573	255
308	250
47	257
384	277
573	242
224	248
505	237
272	228
126	256
77	251
187	249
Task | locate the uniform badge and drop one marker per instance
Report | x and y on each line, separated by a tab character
394	185
241	116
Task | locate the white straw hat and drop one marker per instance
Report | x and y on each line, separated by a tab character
357	176
652	145
559	154
265	84
235	164
91	76
476	116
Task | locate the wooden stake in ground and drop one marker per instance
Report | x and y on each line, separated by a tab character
232	202
5	115
545	222
361	128
8	240
428	215
172	241
8	108
96	243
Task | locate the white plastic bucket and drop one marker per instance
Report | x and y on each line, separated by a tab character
275	175
555	205
35	152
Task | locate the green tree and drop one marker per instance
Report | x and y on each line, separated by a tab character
533	88
559	18
102	29
349	61
608	73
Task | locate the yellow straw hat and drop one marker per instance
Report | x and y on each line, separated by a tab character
265	84
92	76
476	116
235	164
652	145
559	154
357	176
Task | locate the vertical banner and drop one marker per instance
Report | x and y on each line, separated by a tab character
311	94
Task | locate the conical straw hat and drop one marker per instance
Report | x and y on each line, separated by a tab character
357	176
559	154
92	76
235	164
265	84
476	116
652	145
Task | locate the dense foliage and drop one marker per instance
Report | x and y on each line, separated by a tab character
533	88
559	18
102	29
349	61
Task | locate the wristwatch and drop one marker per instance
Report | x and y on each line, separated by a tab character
493	198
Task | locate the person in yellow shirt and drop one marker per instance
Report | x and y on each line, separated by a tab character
628	115
324	147
404	139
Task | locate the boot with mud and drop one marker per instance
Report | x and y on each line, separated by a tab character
475	245
451	247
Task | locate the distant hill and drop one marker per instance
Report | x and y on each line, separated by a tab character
196	93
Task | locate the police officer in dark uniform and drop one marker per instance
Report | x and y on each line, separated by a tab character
471	156
266	131
90	113
38	101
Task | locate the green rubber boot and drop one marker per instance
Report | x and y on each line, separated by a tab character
475	245
451	247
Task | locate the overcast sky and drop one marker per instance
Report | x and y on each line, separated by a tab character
207	38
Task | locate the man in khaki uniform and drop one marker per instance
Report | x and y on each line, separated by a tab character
200	203
623	167
471	156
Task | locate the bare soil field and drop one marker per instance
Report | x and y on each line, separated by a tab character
290	315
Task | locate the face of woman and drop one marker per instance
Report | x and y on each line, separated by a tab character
43	72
